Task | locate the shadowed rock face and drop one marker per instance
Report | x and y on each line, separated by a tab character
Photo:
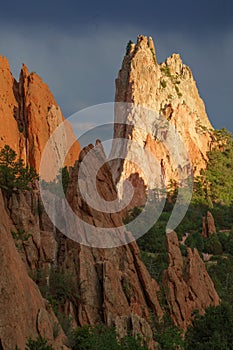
169	90
208	225
112	285
28	116
187	285
117	288
23	312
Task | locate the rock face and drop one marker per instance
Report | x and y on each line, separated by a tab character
23	313
169	91
28	116
187	284
111	285
117	287
208	225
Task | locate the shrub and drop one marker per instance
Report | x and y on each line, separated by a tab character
213	246
38	344
20	237
213	330
128	47
195	240
103	338
163	83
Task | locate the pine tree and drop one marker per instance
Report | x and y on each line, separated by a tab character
13	173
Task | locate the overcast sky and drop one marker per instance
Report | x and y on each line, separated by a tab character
77	47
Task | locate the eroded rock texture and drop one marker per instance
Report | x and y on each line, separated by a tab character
208	225
187	284
170	93
23	312
29	115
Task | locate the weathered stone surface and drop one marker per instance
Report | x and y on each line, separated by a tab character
116	286
23	312
187	284
168	90
208	225
28	116
9	132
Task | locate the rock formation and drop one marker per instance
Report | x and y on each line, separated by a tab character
28	116
112	285
23	312
188	286
117	288
170	93
208	225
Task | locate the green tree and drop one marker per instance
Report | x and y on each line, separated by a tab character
214	330
195	240
38	344
212	245
218	177
103	338
63	178
13	173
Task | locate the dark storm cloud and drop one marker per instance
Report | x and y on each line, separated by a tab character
191	16
77	47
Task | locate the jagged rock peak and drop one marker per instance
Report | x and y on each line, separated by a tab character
29	115
143	43
170	92
187	283
4	64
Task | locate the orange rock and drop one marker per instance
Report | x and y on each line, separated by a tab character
29	115
24	313
168	90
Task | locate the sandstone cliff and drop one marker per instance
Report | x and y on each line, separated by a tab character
111	285
170	92
187	284
23	312
28	116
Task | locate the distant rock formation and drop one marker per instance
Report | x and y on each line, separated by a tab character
28	116
169	90
208	225
187	285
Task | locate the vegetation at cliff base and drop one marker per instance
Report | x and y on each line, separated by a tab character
102	337
214	330
38	344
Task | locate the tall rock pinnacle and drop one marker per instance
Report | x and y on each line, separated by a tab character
28	115
168	90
